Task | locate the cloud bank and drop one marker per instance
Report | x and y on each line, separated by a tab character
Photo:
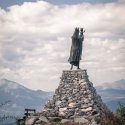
35	42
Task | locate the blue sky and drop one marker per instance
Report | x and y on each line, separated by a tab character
35	41
6	3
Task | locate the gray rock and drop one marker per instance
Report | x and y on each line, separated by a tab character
74	97
61	114
70	113
81	120
43	119
31	120
62	109
94	123
86	100
72	104
57	103
66	120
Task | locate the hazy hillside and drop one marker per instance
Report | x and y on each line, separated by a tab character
112	93
20	97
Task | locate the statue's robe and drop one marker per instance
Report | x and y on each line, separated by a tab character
76	50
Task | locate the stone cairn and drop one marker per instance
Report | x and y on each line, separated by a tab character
75	98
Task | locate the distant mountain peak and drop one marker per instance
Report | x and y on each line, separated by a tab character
4	80
10	85
119	84
21	97
122	81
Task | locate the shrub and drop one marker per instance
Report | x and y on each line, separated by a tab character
115	119
112	119
55	119
121	110
20	122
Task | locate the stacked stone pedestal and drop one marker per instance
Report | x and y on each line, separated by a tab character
75	97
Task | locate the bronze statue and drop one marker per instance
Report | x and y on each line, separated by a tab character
76	48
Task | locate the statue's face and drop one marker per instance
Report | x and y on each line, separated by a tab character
77	31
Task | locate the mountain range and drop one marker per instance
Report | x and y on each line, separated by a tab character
14	98
112	93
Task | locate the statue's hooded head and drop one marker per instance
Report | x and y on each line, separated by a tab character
76	32
76	29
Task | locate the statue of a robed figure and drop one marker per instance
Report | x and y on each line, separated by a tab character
76	47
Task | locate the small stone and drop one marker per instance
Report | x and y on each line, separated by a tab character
81	81
82	113
86	110
72	104
84	92
83	110
45	109
57	103
81	120
44	119
61	114
70	113
90	96
65	121
74	91
31	120
56	108
86	100
38	122
94	123
78	105
83	106
62	109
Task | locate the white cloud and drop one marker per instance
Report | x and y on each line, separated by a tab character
36	39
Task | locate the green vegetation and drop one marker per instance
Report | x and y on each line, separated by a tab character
121	110
115	119
20	121
55	120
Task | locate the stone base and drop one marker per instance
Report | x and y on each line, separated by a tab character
75	98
